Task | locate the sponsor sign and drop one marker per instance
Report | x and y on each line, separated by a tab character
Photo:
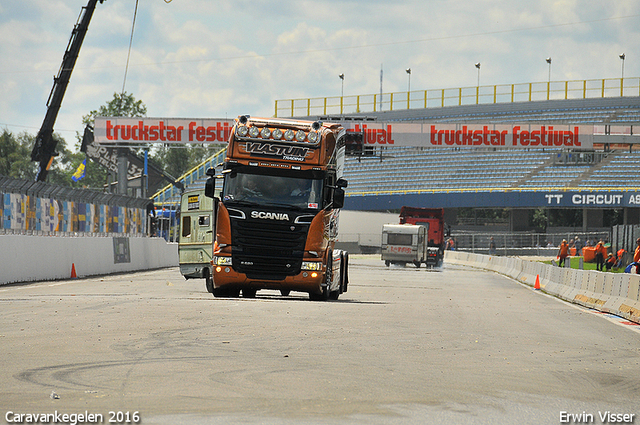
591	199
136	131
193	202
498	199
108	158
121	130
475	135
399	249
275	150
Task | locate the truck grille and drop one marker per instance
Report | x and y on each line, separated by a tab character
264	249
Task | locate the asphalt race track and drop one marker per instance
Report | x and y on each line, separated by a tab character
402	346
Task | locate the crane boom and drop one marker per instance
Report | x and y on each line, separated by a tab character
44	147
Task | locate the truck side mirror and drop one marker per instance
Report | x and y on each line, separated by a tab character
341	183
210	187
338	198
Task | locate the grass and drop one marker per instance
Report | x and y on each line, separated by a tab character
575	264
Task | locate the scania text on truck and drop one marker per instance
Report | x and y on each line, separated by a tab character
433	220
277	220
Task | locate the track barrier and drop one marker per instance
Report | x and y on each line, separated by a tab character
26	258
617	293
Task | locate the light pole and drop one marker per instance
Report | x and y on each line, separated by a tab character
549	62
408	70
478	66
622	56
342	89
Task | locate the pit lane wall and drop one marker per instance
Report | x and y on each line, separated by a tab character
26	258
615	293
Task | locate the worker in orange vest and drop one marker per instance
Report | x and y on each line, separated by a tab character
600	250
563	252
636	256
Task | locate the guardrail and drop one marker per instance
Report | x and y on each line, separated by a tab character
499	93
615	293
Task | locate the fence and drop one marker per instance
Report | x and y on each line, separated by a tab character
537	244
39	208
522	243
624	236
501	93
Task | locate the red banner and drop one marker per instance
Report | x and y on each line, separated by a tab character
120	131
475	135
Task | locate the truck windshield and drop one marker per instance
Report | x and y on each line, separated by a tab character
273	190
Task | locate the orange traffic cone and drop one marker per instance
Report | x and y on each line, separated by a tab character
73	271
536	286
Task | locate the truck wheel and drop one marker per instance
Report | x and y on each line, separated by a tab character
417	264
387	263
322	296
249	292
226	292
285	292
345	272
209	282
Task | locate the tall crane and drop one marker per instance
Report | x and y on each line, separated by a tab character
44	147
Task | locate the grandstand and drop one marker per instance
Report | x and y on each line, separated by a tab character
393	176
455	169
414	169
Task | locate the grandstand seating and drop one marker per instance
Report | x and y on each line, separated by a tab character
413	169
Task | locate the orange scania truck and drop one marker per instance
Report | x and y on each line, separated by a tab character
277	220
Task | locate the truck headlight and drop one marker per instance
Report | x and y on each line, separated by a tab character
311	265
242	130
222	261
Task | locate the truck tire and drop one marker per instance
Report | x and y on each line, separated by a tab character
387	263
333	295
345	273
226	292
324	295
208	279
249	292
417	264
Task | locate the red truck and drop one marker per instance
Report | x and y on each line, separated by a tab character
433	220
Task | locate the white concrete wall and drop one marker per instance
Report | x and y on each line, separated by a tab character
364	227
30	258
616	293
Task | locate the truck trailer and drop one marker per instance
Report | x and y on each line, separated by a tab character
197	229
404	243
277	218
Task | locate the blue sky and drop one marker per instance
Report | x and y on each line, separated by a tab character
204	59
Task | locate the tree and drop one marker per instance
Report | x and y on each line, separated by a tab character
122	105
15	156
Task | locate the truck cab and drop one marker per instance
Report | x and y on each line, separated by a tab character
277	220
